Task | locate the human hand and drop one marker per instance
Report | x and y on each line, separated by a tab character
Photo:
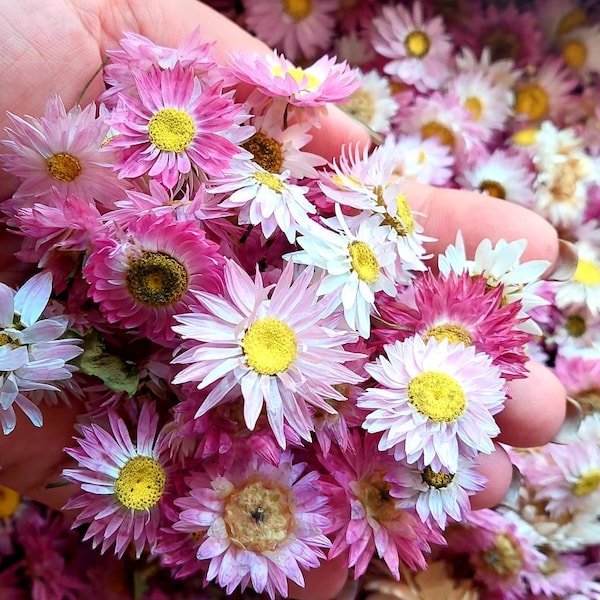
62	31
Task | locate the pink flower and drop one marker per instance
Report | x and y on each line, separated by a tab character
62	150
258	523
174	125
122	482
144	276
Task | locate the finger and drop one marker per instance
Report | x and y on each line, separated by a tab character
31	458
478	217
499	472
178	18
536	412
323	583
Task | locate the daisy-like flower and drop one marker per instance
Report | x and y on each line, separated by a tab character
368	520
435	402
298	28
372	103
579	372
564	173
559	17
138	53
502	72
358	263
175	125
501	264
490	105
142	277
122	482
501	174
280	345
545	94
258	523
266	199
462	310
307	90
32	354
63	150
580	49
419	49
438	496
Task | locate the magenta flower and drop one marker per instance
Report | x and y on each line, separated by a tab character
175	125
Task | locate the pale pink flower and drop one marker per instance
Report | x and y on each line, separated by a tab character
174	126
63	150
258	523
298	29
122	481
279	344
435	402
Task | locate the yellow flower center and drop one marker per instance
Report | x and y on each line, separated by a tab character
417	43
140	484
433	128
361	105
455	334
587	483
437	396
363	261
574	53
270	181
575	325
475	107
312	82
9	502
171	130
63	167
525	137
493	188
504	558
297	9
156	279
266	152
587	272
270	346
572	20
532	101
374	495
435	479
4	339
403	222
259	516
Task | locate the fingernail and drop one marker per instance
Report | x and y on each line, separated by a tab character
570	426
512	494
567	262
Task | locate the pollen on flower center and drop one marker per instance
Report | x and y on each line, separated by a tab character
532	100
475	107
572	20
575	325
171	130
403	222
63	167
156	279
258	516
266	152
270	181
574	53
363	261
297	9
493	188
4	339
587	272
455	334
374	495
437	396
361	105
269	346
140	484
587	483
435	479
504	557
434	128
417	43
9	502
564	185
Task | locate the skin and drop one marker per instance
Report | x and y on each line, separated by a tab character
55	47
